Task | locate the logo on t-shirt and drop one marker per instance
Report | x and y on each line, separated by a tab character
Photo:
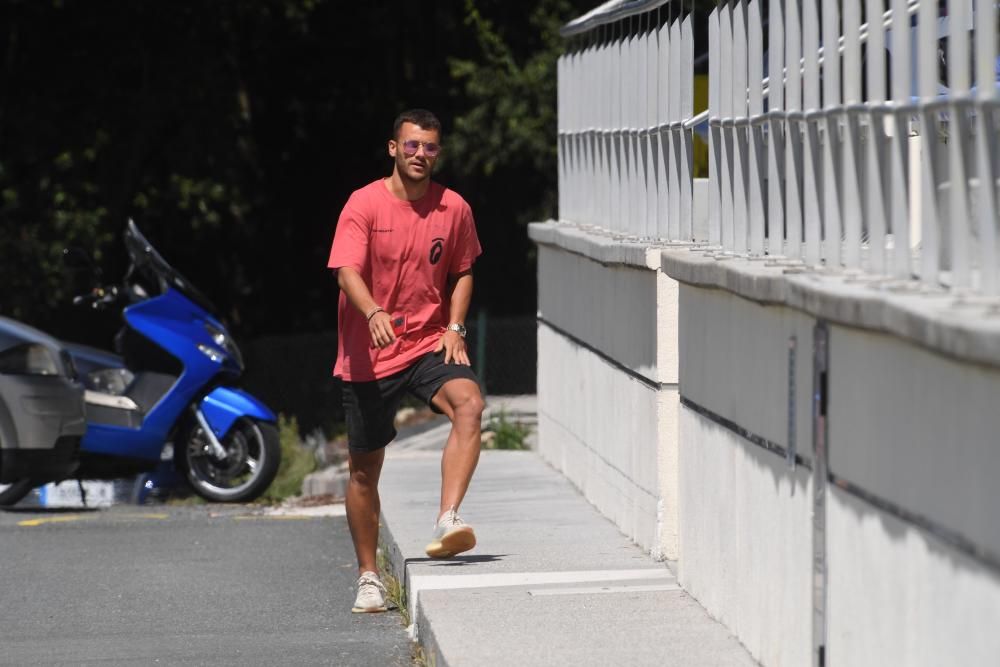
437	247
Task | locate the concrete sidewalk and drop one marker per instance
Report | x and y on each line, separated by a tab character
551	580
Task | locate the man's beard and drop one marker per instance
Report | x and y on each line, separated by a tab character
416	178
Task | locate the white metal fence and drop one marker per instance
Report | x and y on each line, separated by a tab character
853	134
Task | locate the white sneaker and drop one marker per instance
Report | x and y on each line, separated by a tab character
451	536
371	594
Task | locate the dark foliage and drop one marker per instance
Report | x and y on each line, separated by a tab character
234	130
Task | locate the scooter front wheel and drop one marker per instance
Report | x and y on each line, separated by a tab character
253	453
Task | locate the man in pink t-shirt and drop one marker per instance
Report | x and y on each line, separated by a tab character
403	251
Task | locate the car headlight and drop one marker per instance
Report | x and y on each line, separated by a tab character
28	359
225	341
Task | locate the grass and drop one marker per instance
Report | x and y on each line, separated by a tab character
420	658
505	433
297	461
394	591
395	594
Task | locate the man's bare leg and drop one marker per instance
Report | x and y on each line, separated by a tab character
461	400
363	505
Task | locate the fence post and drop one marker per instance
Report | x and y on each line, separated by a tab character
875	206
958	141
900	185
927	83
986	142
832	224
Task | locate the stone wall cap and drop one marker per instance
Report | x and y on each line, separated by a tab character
597	244
963	326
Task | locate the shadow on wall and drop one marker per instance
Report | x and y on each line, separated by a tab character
950	547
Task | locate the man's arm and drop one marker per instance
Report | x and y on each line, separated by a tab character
379	321
461	296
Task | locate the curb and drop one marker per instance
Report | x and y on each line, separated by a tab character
419	629
329	481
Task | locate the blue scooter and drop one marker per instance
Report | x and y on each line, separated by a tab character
165	403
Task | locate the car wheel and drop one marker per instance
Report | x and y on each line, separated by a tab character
16	491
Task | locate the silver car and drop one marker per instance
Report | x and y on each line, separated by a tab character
41	411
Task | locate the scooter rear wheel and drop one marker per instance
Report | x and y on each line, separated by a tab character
253	453
16	491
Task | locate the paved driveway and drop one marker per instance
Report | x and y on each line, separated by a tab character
185	585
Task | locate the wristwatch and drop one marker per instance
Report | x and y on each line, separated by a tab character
457	328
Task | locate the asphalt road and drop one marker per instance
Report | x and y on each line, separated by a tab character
184	586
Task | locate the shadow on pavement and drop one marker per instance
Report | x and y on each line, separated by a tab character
459	560
50	510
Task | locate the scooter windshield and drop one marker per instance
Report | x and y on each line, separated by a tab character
147	260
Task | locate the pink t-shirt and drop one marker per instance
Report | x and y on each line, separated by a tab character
404	251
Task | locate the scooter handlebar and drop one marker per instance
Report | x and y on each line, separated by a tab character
99	297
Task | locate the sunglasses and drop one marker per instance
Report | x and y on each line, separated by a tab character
411	146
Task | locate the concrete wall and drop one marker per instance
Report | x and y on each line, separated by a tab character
917	429
669	396
745	514
607	388
915	435
745	521
914	463
747	344
898	596
582	432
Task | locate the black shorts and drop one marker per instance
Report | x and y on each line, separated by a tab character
370	407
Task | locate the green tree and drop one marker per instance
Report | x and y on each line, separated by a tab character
510	119
233	132
146	114
504	137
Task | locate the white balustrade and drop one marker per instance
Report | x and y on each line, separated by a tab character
815	156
